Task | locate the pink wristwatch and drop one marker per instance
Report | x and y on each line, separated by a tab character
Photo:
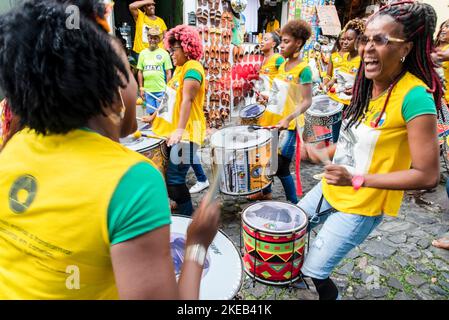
357	182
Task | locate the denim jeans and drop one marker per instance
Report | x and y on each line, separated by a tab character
151	102
341	232
287	147
198	169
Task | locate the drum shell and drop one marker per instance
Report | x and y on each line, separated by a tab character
158	154
277	258
251	120
325	121
246	177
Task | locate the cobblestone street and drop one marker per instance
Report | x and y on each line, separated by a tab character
397	261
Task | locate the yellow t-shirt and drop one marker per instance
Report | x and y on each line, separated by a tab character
168	116
367	149
53	214
141	37
269	70
272	26
337	62
284	96
445	66
346	66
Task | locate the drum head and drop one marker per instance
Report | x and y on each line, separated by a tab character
239	137
275	217
223	269
323	106
141	143
252	111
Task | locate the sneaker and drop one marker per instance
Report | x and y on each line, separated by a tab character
199	186
260	196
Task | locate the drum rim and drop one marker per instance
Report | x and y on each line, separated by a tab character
286	232
328	114
242	267
254	117
259	145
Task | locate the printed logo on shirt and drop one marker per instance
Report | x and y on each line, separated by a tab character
354	70
289	77
152	68
22	193
374	118
159	57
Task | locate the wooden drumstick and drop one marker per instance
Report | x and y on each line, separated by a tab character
214	187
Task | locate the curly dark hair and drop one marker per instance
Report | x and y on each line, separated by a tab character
56	78
298	29
358	25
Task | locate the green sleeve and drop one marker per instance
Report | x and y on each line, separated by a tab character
167	63
279	61
139	204
193	74
140	61
306	76
417	103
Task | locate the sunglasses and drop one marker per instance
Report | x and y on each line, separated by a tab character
379	40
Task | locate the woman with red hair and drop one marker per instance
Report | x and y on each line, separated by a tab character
180	117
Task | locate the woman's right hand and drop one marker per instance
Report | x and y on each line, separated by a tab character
204	225
262	99
142	94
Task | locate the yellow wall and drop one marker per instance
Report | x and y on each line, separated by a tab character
442	9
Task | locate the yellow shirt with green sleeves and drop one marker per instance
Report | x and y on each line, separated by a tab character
285	95
67	200
167	119
367	149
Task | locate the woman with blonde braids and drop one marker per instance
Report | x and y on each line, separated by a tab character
388	142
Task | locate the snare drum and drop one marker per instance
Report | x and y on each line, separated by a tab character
322	114
274	235
242	158
222	275
153	149
250	114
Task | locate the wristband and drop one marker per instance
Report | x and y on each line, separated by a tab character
357	182
196	253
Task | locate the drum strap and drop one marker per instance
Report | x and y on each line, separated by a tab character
316	218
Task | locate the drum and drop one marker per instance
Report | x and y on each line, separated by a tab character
322	114
274	235
222	275
153	149
243	159
250	114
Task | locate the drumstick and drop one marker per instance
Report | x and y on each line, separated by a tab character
138	134
214	187
252	128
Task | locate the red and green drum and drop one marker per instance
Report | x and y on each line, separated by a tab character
274	235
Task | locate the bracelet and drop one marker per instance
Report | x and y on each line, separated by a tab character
196	253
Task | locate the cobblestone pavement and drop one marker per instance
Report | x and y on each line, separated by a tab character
397	261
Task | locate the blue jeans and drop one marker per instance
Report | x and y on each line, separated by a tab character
341	232
287	147
198	169
151	102
181	158
447	187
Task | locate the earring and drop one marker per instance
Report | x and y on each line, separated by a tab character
403	59
123	109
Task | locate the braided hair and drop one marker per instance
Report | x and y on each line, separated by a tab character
419	23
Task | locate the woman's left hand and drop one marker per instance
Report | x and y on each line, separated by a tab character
337	175
175	138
